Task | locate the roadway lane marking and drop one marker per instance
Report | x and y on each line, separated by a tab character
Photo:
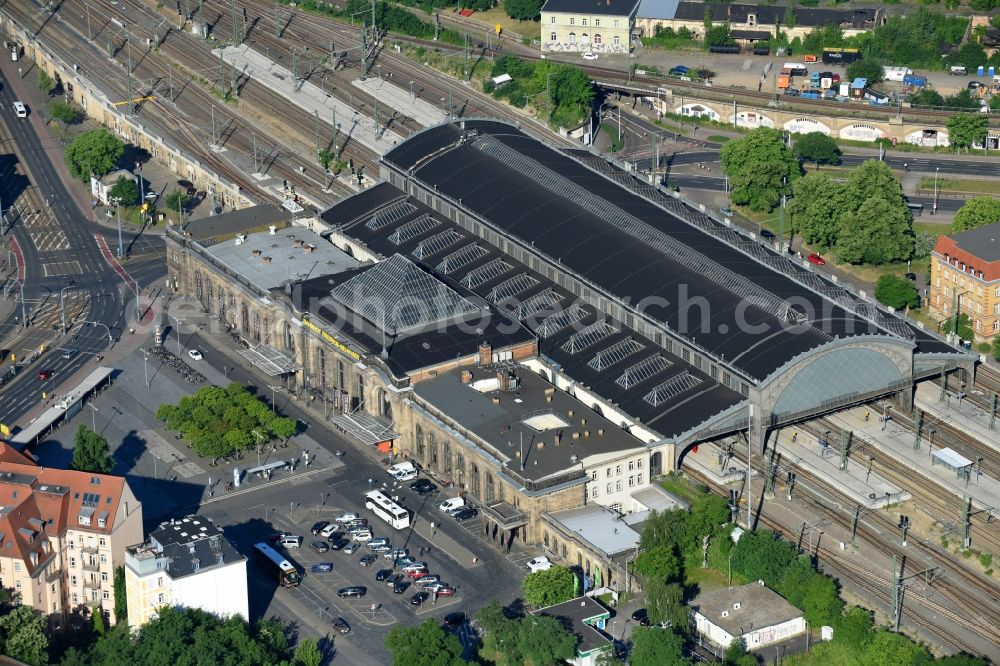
53	268
108	257
18	257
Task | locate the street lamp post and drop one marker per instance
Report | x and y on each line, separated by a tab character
93	415
178	320
145	372
138	173
936	170
62	306
118	215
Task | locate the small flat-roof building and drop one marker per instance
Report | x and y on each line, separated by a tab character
753	612
586	618
595	539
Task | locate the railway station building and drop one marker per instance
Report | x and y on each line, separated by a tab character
539	327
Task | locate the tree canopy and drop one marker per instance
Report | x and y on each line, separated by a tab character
660	562
565	91
513	641
976	212
222	421
545	588
760	168
95	152
125	191
816	208
817	147
665	604
965	130
652	646
91	452
426	644
22	636
880	231
896	292
65	112
866	68
962	327
523	10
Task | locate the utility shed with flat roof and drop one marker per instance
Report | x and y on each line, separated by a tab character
753	612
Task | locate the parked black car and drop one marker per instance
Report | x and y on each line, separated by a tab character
318	527
352	591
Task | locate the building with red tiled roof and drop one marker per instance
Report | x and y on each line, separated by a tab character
965	272
62	534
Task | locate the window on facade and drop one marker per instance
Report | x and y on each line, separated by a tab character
583	21
552	36
72	560
159	581
572	21
572	38
552	20
638	464
618	485
593	475
593	492
597	23
608	489
638	479
618	470
614	24
107	595
104	577
447	456
434	449
17	566
617	41
475	479
340	375
104	558
608	473
631	465
631	481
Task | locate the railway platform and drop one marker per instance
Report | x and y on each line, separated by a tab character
874	438
963	415
713	460
796	449
406	101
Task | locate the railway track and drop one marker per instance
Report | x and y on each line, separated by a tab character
814	493
986	457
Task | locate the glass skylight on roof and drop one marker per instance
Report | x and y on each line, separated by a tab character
512	287
412	229
387	216
642	371
485	273
461	257
616	353
538	303
435	244
560	320
671	388
588	336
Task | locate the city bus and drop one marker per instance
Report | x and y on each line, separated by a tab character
383	507
271	560
840	56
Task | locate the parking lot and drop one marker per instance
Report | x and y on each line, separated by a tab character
170	480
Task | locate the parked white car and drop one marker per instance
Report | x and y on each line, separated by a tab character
540	563
403	471
346	517
195	354
327	531
590	56
452	504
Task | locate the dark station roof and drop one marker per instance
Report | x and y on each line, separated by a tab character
593	349
744	309
857	18
401	307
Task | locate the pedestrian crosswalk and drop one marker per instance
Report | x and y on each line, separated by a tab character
44	231
57	267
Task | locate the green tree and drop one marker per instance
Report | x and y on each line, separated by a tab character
874	178
307	653
665	603
854	627
544	641
963	99
652	646
926	97
817	147
889	649
976	212
23	636
98	623
965	130
95	152
719	35
736	655
816	208
125	191
963	328
91	452
121	597
896	292
45	82
759	555
996	348
177	199
426	644
523	10
866	69
760	169
64	112
665	529
499	635
572	92
788	20
545	588
660	562
877	233
709	513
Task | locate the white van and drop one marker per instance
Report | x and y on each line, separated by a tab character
957	70
20	110
404	471
452	504
290	541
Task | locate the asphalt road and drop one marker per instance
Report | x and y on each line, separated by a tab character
62	257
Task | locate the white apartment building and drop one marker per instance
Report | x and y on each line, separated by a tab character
186	562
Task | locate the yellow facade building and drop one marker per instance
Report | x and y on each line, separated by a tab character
604	26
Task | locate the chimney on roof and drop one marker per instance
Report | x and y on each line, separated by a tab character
485	353
600	431
466	376
298	243
503	380
309	249
266	260
558	438
271	229
496	399
256	253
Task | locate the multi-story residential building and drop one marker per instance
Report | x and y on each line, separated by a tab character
186	562
597	27
62	534
965	272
